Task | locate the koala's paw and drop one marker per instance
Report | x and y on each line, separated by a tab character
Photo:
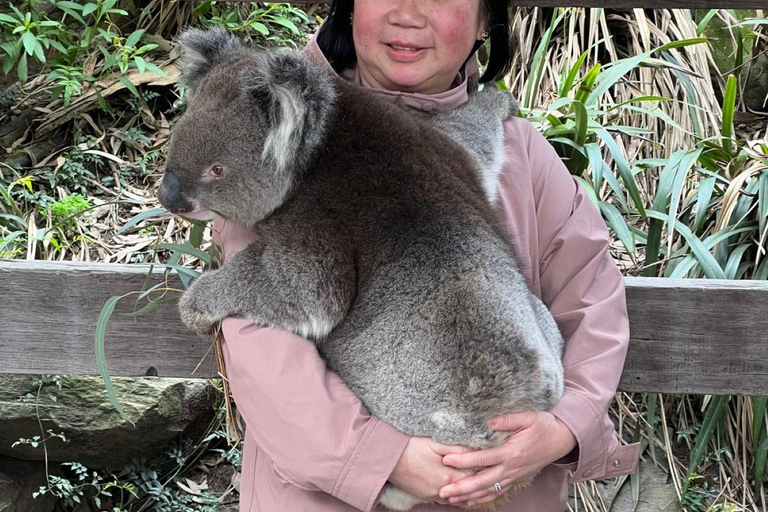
500	103
196	304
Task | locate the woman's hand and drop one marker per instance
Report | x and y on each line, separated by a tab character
421	472
231	235
537	440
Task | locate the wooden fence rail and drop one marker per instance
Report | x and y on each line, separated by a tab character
687	335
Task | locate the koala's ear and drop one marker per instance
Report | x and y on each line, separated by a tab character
295	97
201	49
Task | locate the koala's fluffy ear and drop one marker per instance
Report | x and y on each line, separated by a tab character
295	97
201	49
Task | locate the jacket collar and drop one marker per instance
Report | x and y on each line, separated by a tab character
422	103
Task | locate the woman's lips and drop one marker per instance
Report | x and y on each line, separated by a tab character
404	53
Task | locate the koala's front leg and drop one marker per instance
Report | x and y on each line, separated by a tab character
204	303
304	287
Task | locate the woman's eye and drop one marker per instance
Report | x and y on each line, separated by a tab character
217	170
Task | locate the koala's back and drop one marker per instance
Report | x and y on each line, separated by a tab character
439	336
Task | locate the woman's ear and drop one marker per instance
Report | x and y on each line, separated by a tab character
484	21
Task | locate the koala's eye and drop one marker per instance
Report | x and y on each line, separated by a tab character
217	170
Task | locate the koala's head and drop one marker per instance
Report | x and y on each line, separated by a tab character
254	123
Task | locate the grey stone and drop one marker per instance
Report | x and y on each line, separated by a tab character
657	492
756	84
18	480
98	437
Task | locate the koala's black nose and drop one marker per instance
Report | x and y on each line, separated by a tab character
170	195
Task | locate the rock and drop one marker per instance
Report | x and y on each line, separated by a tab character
18	480
97	436
756	84
657	492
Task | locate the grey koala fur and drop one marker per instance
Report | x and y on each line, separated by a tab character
376	238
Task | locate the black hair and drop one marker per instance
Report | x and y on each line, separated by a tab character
335	38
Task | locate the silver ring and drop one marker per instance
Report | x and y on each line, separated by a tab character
497	487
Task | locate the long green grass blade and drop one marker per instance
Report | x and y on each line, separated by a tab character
101	360
623	167
153	213
714	417
758	418
616	221
708	263
187	249
729	106
703	200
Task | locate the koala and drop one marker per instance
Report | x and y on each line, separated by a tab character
376	238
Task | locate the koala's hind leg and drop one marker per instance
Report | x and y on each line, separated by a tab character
478	128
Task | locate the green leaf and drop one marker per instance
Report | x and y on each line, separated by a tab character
22	68
260	28
151	306
567	84
186	248
623	167
616	221
689	261
129	85
758	418
29	41
287	23
134	38
101	360
705	21
706	260
703	199
734	261
714	416
196	234
687	159
760	456
141	64
153	214
729	105
762	200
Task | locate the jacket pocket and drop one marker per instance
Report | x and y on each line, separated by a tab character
284	479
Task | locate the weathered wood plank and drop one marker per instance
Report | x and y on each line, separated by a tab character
687	336
49	313
697	336
623	4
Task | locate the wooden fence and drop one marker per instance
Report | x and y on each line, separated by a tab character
687	335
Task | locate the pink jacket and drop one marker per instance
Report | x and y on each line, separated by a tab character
310	444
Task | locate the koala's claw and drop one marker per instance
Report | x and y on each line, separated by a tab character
194	313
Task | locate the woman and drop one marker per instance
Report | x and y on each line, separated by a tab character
310	444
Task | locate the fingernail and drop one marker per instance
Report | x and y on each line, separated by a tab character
492	424
448	461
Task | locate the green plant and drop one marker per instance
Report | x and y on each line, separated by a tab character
65	210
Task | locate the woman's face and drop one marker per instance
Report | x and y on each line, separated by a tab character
414	45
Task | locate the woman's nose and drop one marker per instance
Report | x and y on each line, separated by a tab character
407	13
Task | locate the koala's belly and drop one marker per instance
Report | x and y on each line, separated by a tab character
435	352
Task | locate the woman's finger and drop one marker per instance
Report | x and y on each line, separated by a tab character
447	449
485	499
477	482
505	486
480	458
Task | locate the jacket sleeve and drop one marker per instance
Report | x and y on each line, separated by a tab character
317	433
305	418
584	290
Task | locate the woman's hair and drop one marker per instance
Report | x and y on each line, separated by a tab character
335	38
